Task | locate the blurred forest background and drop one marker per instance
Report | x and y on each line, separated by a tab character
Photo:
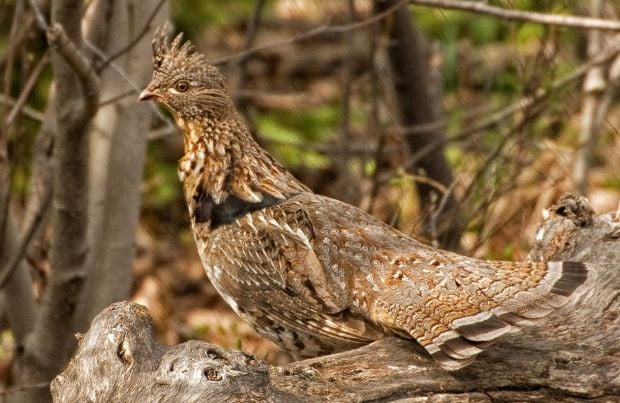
456	127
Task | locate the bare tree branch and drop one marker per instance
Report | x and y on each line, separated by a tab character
347	184
16	286
481	7
28	111
88	79
30	83
39	16
145	29
604	56
250	37
18	254
317	32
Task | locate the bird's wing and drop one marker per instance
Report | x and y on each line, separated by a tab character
317	263
454	306
267	261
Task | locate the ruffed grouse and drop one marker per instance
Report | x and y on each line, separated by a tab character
319	276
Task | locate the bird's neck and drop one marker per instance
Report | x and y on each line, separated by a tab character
223	162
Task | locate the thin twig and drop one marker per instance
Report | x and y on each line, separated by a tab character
134	41
162	132
28	235
250	39
125	77
481	7
346	88
21	388
521	104
5	167
26	110
118	97
340	155
87	77
434	215
326	148
30	83
322	30
486	164
39	16
420	128
374	127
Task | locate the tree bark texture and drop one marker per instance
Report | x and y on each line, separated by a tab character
114	219
17	292
49	344
572	356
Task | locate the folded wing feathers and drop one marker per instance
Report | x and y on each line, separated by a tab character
469	335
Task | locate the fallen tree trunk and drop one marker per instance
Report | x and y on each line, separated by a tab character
573	355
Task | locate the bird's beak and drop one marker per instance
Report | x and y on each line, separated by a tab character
146	95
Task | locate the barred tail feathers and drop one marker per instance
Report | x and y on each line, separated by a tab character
517	304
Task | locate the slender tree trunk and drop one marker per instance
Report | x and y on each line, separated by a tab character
17	291
114	231
48	346
420	104
594	86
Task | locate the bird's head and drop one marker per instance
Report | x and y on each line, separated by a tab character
185	82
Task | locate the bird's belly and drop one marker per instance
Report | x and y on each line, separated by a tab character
299	344
249	292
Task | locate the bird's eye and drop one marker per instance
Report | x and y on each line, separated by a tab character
182	86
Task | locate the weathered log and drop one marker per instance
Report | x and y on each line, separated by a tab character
573	355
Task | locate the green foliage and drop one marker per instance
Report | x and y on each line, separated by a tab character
193	16
287	130
370	167
448	27
23	131
612	182
308	124
7	344
454	155
528	33
162	182
508	252
200	331
451	28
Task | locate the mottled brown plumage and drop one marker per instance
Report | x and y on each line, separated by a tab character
319	276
